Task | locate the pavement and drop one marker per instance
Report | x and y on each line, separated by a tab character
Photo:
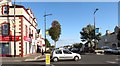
31	57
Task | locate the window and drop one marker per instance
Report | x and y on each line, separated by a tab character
58	52
29	31
5	29
0	30
66	52
26	30
5	10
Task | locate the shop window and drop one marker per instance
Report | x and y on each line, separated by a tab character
4	48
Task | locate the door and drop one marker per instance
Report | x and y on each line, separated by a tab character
5	48
67	54
59	54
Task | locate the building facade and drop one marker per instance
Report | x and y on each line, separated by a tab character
110	38
24	28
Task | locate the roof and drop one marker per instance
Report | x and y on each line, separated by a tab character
18	6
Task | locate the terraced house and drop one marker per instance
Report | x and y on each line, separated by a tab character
23	28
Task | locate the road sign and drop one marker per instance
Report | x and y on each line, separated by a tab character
96	30
47	59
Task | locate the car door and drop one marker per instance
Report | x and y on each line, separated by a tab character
59	54
67	54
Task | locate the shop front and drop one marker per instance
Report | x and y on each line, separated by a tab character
4	49
5	44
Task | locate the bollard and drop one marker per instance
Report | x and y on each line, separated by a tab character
47	60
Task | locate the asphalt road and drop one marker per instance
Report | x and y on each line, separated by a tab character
87	60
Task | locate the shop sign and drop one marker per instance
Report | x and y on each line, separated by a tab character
27	39
9	38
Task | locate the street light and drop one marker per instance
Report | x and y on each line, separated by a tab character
45	26
95	22
94	16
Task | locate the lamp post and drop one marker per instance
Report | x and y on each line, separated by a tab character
14	32
95	23
45	26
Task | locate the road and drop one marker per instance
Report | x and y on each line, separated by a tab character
87	60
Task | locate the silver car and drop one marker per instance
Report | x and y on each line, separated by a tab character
63	54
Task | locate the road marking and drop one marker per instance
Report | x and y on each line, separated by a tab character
111	62
116	59
37	57
29	59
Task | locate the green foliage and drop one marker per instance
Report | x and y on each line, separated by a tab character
55	31
47	43
77	45
88	34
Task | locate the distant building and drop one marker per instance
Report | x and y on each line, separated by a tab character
25	25
110	38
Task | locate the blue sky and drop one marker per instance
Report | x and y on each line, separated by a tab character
73	16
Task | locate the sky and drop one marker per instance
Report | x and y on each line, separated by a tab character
73	16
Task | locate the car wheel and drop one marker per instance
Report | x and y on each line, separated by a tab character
76	58
55	59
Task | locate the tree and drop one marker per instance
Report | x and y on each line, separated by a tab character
55	31
88	35
77	45
47	43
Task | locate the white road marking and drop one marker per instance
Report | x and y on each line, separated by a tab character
117	59
29	59
111	62
37	57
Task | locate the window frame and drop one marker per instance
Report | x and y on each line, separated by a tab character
56	52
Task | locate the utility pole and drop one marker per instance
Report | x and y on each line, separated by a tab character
95	24
14	31
45	27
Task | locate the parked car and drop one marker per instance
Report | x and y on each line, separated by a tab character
76	50
116	51
63	54
107	49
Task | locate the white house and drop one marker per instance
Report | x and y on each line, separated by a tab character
110	38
